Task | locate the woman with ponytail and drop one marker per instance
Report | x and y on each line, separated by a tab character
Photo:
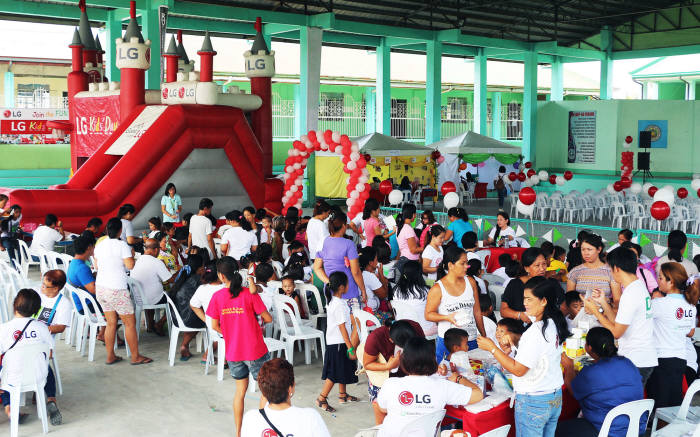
537	377
234	312
596	391
677	242
453	302
674	312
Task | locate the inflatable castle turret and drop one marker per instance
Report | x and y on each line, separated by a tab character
171	60
90	50
260	68
133	59
99	59
184	65
206	60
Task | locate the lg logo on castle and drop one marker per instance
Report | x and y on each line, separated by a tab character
407	398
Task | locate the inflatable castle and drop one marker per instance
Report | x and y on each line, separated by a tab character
127	142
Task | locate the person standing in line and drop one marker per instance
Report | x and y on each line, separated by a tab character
201	232
317	228
171	204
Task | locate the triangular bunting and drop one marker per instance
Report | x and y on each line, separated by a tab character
695	249
643	240
532	240
487	226
556	235
611	243
568	241
635	239
685	253
604	240
477	222
547	236
658	249
520	231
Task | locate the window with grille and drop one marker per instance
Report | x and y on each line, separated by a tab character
331	107
456	109
514	122
33	96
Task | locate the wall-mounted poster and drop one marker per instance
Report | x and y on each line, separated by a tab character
659	132
581	145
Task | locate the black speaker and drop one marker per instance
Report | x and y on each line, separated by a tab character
644	139
643	160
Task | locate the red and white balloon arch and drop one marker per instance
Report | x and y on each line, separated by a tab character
354	164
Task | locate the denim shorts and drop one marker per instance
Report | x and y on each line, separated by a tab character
241	369
537	415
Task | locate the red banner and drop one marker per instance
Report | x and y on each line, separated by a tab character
24	127
94	120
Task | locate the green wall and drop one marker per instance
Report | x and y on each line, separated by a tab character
34	156
671	91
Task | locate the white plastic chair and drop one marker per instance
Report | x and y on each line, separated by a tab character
25	260
137	292
427	425
92	322
364	318
415	198
176	330
406	196
273	346
34	359
683	413
297	332
215	337
555	207
304	290
498	432
634	410
618	214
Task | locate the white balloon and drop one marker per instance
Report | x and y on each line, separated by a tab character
352	165
354	147
304	138
296	166
293	188
665	196
354	156
304	162
363	179
290	152
625	145
560	180
395	197
695	184
450	200
527	183
646	186
299	181
636	188
360	187
534	180
525	210
323	144
289	169
335	137
543	175
669	188
354	194
610	189
349	201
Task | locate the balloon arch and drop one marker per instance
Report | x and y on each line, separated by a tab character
354	164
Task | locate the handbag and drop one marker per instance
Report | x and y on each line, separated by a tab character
274	428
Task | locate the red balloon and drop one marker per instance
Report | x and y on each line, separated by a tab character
527	196
512	176
618	186
531	173
652	190
698	193
522	177
628	139
626	182
568	175
553	179
660	210
385	187
528	164
448	187
682	193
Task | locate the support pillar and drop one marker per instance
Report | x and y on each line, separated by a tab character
650	90
113	26
496	115
557	88
151	30
370	111
691	89
480	92
383	95
310	42
606	64
9	89
529	108
433	88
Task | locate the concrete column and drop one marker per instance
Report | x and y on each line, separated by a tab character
113	26
606	64
557	88
151	30
370	111
9	89
383	94
433	88
691	89
310	42
480	92
650	90
529	109
496	115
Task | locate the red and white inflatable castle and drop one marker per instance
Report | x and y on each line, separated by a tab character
127	142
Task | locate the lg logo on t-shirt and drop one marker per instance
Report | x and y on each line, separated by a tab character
680	313
407	398
271	433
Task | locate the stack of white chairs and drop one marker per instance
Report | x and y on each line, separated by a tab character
638	216
25	259
556	208
542	206
10	283
618	214
569	209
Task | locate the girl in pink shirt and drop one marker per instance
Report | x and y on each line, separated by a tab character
371	223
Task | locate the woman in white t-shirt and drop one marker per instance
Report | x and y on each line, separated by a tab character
126	214
276	382
317	228
433	252
673	307
376	285
537	375
502	234
677	242
237	241
412	293
406	399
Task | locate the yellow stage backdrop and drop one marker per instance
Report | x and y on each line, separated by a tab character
331	180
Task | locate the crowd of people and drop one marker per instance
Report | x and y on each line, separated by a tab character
640	315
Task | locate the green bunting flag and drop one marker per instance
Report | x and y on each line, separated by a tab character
685	254
643	240
556	235
533	239
487	226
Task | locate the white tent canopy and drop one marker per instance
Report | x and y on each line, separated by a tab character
472	142
383	145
